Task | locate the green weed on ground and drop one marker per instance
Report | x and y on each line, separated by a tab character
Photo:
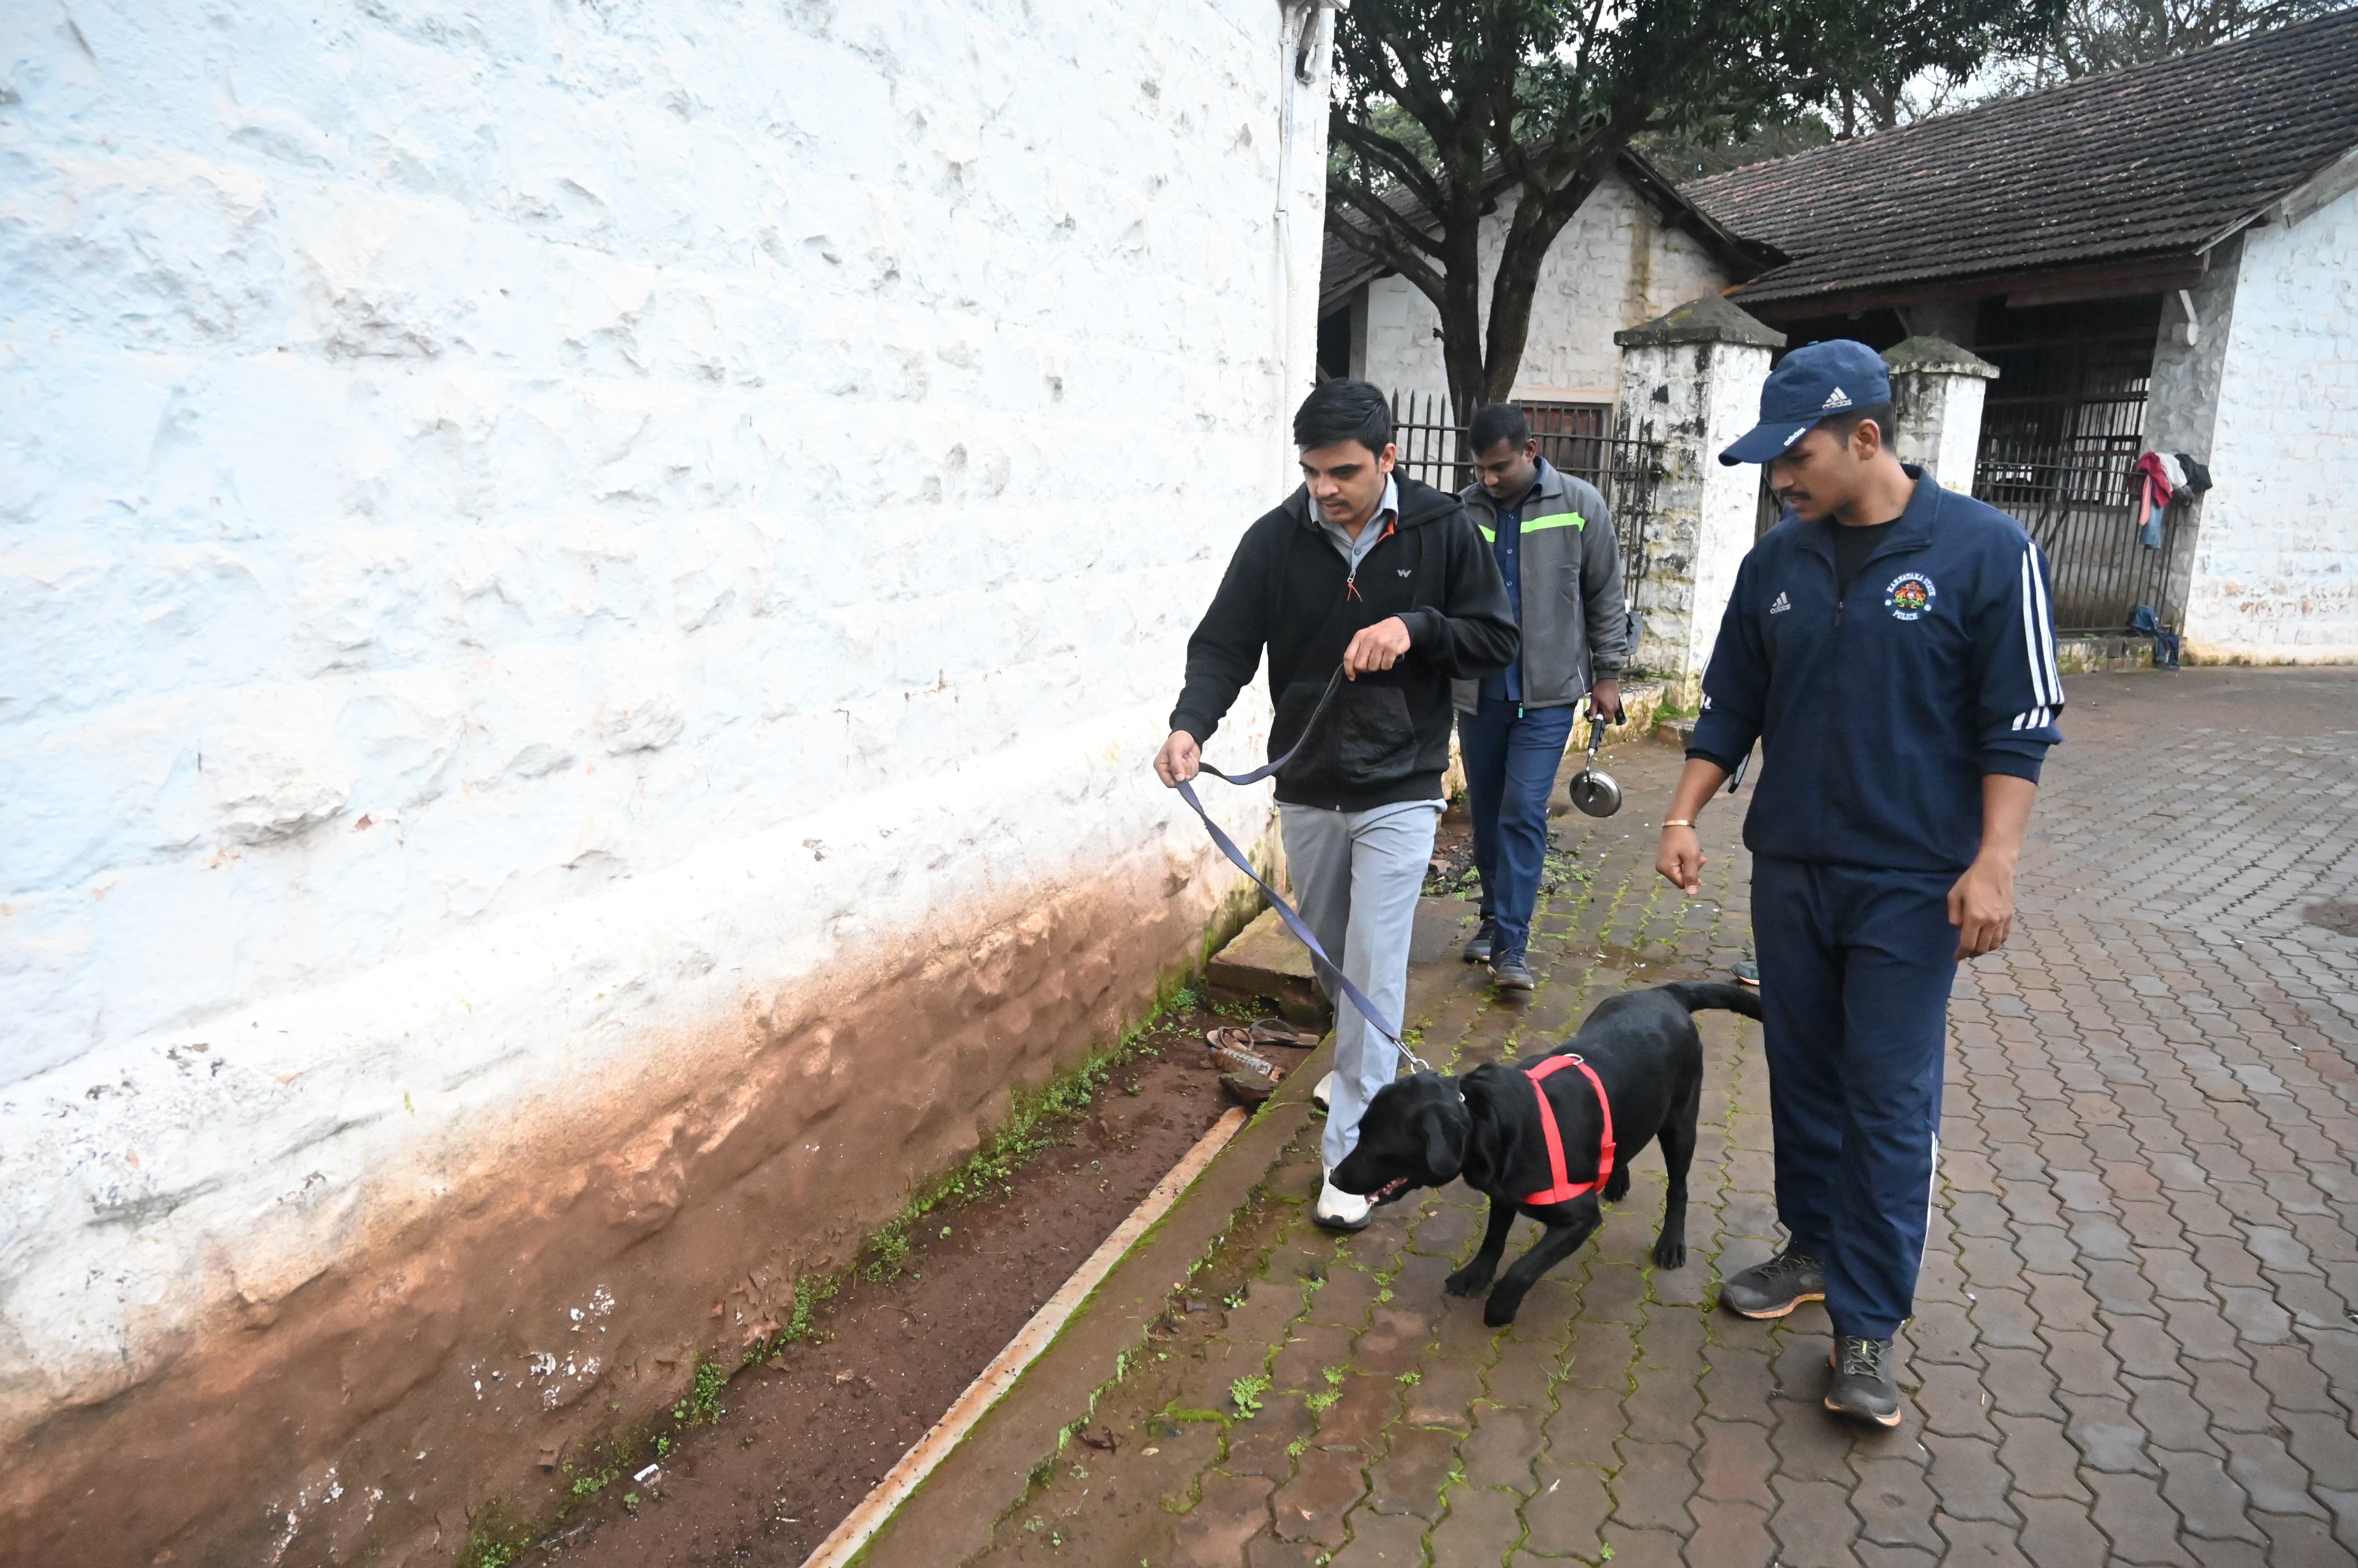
702	1405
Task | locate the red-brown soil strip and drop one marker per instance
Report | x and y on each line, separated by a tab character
803	1437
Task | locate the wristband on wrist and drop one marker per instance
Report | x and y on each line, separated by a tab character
1680	822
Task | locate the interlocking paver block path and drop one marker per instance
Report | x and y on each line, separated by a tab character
2136	1341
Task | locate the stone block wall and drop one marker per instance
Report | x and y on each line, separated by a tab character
588	592
1691	379
2275	573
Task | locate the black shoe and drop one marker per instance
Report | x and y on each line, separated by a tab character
1863	1386
1775	1288
1509	973
1749	973
1478	947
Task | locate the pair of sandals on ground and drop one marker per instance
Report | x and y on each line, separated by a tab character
1254	1058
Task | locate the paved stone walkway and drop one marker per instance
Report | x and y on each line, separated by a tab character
2135	1339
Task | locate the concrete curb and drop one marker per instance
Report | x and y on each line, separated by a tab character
948	1518
850	1538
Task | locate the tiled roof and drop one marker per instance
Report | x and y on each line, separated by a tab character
2156	161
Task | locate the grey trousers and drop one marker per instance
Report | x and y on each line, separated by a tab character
1356	875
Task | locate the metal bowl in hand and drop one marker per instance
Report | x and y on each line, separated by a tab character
1596	794
1592	789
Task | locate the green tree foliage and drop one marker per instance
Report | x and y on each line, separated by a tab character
1446	110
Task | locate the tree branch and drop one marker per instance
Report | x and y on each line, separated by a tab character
1390	154
1432	284
1386	225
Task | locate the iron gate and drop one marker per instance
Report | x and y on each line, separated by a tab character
1625	468
2057	449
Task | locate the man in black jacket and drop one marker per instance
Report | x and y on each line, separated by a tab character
1386	577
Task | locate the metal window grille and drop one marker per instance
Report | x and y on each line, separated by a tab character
2058	450
1580	439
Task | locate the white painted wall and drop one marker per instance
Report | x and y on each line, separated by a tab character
526	530
1695	398
2275	577
1612	267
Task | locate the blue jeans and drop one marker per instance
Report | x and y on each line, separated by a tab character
1856	967
1510	765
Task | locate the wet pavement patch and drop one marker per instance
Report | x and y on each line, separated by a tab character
2339	915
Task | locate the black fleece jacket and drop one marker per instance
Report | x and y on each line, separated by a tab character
1385	738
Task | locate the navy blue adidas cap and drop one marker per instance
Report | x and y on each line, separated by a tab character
1815	381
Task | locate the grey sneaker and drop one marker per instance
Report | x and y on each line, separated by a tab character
1749	973
1775	1288
1477	947
1509	972
1862	1386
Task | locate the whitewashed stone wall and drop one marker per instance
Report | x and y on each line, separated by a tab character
2274	577
1613	267
1691	379
527	533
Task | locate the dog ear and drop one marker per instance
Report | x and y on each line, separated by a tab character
1484	1158
1445	1139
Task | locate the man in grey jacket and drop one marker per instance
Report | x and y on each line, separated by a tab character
1553	539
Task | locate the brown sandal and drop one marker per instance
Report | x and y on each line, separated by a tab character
1278	1031
1232	1051
1249	1088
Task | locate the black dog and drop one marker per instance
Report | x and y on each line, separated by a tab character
1646	1059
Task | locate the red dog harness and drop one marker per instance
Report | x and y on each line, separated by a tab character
1564	1190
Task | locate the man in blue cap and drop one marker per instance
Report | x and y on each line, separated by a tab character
1889	645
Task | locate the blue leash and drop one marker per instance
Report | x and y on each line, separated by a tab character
1286	911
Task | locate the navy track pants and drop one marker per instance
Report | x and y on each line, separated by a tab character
1511	756
1856	967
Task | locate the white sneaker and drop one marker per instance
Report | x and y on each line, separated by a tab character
1339	1210
1318	1096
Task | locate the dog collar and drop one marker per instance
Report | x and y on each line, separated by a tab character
1564	1189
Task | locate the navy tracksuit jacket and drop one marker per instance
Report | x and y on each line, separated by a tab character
1879	705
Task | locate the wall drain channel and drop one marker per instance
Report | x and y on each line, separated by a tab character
847	1539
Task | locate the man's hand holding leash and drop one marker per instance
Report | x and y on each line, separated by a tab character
1179	760
1376	647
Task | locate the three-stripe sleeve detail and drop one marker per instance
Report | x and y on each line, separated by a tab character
2038	647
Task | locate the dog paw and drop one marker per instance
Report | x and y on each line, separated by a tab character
1467	1282
1497	1314
1669	1254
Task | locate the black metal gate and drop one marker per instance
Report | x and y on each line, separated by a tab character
1625	468
2061	436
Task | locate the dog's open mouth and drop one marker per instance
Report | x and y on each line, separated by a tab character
1389	1192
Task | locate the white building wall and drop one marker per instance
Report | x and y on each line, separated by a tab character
1612	267
579	583
2275	577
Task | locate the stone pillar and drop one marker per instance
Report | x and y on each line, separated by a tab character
1691	379
1936	400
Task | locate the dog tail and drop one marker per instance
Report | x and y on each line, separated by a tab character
1735	999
